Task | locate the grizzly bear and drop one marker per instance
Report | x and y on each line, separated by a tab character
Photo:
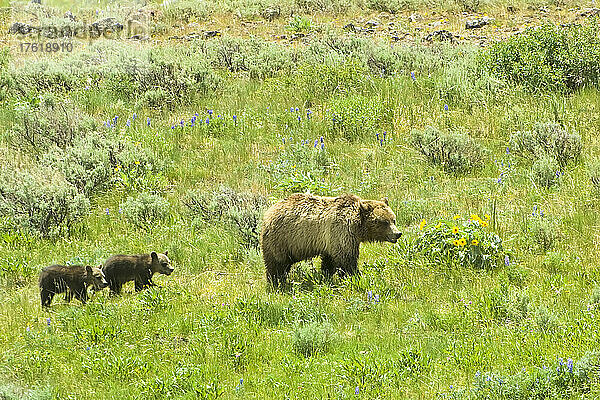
74	280
305	226
139	268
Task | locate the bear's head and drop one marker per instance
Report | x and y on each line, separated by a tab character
378	221
161	263
95	277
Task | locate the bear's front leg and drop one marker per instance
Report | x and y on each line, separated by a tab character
345	262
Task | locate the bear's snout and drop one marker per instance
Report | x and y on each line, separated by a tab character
395	235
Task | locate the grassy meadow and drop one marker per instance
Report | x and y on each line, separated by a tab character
180	142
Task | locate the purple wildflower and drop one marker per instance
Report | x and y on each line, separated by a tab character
148	121
357	390
48	321
506	260
445	107
412	75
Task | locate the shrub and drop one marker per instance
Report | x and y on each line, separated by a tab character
299	23
241	211
547	139
595	297
454	152
545	319
86	165
548	57
313	337
47	121
542	230
467	243
545	172
508	305
42	202
145	210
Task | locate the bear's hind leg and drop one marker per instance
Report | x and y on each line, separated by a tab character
327	265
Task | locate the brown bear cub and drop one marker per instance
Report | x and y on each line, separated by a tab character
139	268
74	280
304	226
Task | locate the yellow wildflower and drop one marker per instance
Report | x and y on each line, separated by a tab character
438	226
487	216
137	163
422	224
456	217
474	242
455	242
484	223
455	229
462	242
475	217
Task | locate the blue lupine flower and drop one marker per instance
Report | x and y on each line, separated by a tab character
322	140
299	118
148	121
377	135
172	126
133	116
445	107
234	118
182	123
107	211
376	298
541	213
48	321
507	150
296	109
207	120
27	329
316	143
384	133
412	75
499	180
357	390
506	260
322	146
570	364
381	142
210	112
283	139
128	123
369	295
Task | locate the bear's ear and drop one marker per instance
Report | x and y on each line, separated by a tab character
88	270
385	200
364	207
166	253
154	256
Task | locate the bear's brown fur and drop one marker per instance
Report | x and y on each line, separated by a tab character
74	280
139	268
305	226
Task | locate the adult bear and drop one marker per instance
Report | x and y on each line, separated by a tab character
305	226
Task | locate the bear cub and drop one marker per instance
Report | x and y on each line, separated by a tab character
139	268
74	280
304	226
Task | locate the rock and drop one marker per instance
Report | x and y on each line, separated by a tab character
20	28
107	24
139	37
441	35
478	22
36	1
210	34
414	17
589	12
69	15
271	13
351	28
372	24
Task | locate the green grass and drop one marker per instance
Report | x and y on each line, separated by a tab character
214	330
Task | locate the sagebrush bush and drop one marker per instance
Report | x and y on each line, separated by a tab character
545	172
548	57
41	202
454	152
507	305
312	338
461	242
48	121
241	211
542	230
547	139
86	165
145	211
